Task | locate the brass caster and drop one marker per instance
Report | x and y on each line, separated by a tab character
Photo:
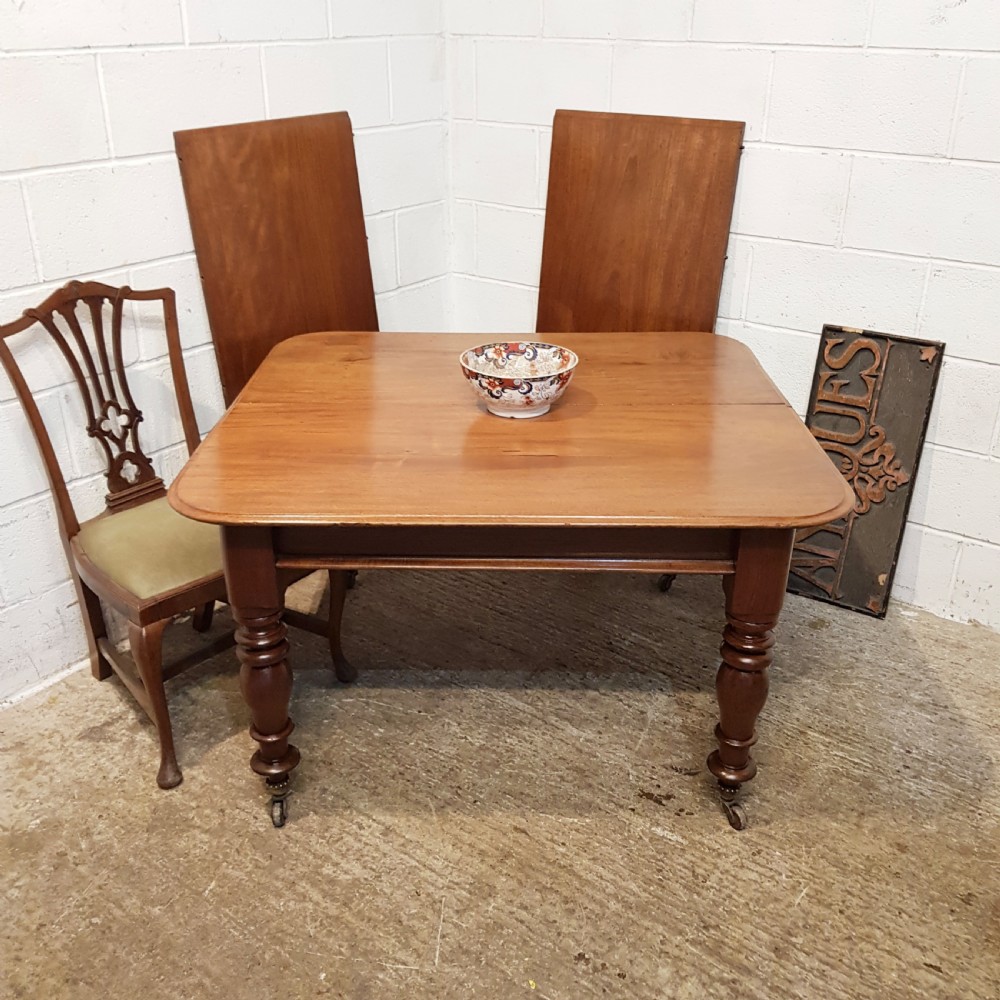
279	810
735	812
736	815
279	801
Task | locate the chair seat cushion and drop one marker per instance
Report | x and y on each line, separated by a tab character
151	549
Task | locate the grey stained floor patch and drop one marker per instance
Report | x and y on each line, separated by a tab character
512	802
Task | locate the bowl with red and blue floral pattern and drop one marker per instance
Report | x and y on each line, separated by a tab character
518	378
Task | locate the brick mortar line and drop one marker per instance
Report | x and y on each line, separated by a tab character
141	159
751	237
752	144
774	328
181	46
956	110
884	154
858	48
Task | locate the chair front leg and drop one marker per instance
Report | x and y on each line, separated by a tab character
147	651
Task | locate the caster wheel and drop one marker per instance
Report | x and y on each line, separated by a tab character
352	576
279	811
736	815
666	582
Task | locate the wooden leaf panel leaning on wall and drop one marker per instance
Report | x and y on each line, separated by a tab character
279	232
637	222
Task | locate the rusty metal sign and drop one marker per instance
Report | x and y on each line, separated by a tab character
871	399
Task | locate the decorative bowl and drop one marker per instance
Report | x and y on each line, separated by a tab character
518	378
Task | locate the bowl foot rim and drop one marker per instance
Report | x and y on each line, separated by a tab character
520	414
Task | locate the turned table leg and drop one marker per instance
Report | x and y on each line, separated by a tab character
262	647
754	595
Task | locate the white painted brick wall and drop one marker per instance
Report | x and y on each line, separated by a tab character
961	308
976	133
381	17
850	100
72	24
90	94
310	79
422	239
150	94
495	164
506	243
652	19
89	218
869	195
942	209
785	21
521	82
418	73
801	287
691	81
976	594
50	112
15	238
936	24
255	20
791	194
403	167
494	17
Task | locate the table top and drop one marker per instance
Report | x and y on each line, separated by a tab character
656	429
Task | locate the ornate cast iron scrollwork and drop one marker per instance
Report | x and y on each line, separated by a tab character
871	398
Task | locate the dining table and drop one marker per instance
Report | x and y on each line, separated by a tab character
669	453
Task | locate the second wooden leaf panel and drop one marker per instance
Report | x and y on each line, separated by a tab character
637	222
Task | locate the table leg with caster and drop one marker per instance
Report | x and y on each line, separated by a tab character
262	648
754	595
279	802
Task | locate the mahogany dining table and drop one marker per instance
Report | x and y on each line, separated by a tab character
669	453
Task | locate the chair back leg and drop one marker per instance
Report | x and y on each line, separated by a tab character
201	621
95	627
340	581
147	651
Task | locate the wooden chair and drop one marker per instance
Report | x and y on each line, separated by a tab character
637	222
139	556
279	232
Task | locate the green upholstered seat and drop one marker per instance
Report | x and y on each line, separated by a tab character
151	549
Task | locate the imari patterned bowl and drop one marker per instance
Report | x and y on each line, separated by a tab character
518	378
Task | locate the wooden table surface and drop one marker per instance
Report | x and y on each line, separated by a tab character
656	429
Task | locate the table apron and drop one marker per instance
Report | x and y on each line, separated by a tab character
653	550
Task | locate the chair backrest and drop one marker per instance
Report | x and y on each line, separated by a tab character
74	319
637	222
279	232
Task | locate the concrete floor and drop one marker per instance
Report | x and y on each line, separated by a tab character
512	802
